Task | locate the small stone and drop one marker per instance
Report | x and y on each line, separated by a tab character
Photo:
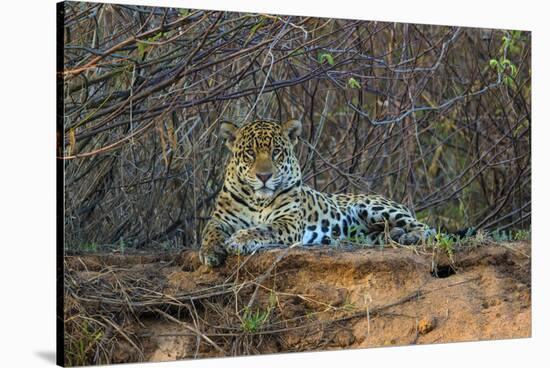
425	325
344	338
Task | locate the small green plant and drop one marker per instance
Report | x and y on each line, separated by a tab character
502	236
121	245
310	315
507	70
255	29
445	242
522	235
348	305
510	235
144	46
253	321
80	348
85	247
353	83
325	56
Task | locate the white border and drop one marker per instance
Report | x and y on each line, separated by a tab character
27	193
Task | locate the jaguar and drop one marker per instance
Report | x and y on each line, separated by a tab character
264	202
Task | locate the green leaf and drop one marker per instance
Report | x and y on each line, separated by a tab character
493	63
505	62
508	81
513	70
155	37
257	25
141	47
353	83
325	57
254	29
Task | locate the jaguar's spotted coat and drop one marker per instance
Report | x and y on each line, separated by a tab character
264	203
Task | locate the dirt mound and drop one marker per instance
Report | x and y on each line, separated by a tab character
154	308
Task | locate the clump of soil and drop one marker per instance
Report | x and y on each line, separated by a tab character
171	307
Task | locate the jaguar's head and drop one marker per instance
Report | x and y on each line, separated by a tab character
263	159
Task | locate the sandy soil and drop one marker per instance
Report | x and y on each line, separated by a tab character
316	300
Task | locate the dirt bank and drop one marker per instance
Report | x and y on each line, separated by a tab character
164	307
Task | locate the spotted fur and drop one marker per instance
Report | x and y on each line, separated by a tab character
263	202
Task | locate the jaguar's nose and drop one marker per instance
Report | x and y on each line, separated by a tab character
264	177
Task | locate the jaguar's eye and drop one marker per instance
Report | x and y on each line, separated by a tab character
275	152
251	153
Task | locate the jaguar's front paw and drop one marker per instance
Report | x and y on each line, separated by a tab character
213	256
243	242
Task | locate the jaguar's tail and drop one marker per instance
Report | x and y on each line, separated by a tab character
463	233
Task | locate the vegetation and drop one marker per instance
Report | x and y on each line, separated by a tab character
81	348
253	321
435	117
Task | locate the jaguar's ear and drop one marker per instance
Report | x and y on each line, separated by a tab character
228	131
293	128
